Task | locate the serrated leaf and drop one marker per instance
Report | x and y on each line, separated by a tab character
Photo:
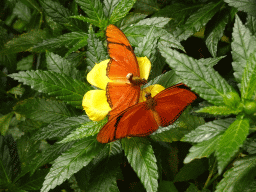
197	20
250	146
46	156
22	11
156	21
208	130
25	41
248	84
87	129
120	10
179	128
67	40
148	46
95	52
25	63
60	65
9	159
32	4
251	24
248	6
43	110
219	110
17	90
104	169
34	182
243	45
94	9
168	40
59	85
70	162
210	62
191	170
238	177
141	156
88	20
61	128
217	32
109	6
130	19
146	6
60	14
204	80
230	141
167	186
5	122
203	149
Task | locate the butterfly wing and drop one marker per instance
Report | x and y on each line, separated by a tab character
171	102
122	58
137	120
120	96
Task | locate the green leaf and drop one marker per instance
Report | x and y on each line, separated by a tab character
60	65
130	19
146	6
210	62
219	110
251	24
59	85
148	46
70	162
243	45
22	11
95	52
67	40
248	84
203	149
45	157
109	6
17	90
167	186
230	141
204	80
5	122
193	188
156	21
88	20
32	4
25	63
168	40
191	170
178	129
239	177
250	146
9	160
33	182
24	42
43	110
60	14
105	169
87	129
60	128
216	32
248	6
94	10
141	156
197	20
121	9
208	130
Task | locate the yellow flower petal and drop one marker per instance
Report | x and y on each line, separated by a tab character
145	66
153	89
95	104
97	76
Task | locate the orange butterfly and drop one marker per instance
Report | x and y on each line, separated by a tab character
144	118
123	68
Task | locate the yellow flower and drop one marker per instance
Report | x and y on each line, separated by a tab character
95	101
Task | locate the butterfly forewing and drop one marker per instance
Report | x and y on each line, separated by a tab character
122	58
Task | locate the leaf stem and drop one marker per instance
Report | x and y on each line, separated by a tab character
209	180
